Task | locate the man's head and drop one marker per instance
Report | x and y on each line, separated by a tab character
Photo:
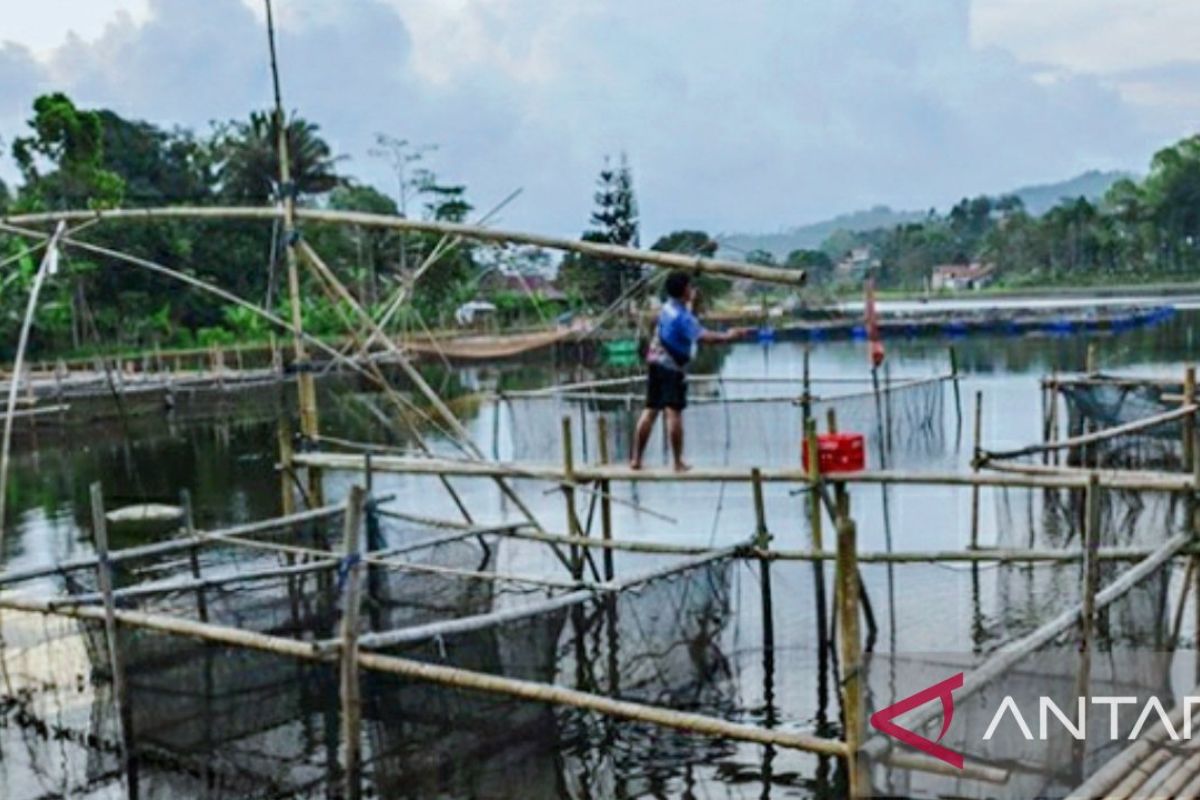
679	286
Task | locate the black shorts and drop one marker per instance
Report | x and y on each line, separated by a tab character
666	388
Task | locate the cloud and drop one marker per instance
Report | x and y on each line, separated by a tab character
747	117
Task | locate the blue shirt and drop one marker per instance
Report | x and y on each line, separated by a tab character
679	329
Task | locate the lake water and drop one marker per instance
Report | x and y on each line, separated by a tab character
252	725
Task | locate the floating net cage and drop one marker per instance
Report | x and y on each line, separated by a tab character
740	423
1101	402
247	723
1131	657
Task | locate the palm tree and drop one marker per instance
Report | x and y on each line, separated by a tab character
249	159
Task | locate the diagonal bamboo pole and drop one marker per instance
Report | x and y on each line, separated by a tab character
605	252
49	263
415	376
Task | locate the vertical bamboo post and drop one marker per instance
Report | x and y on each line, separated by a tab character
351	695
1091	584
189	529
287	495
806	398
818	565
975	464
1189	421
1092	360
762	541
1054	456
116	662
305	387
762	538
605	500
957	395
569	496
847	597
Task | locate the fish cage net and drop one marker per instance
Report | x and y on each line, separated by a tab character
1099	403
658	640
737	424
1133	654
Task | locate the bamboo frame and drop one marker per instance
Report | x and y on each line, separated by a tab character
346	648
1056	479
607	252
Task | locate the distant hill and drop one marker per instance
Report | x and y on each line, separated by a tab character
810	237
1038	199
1092	184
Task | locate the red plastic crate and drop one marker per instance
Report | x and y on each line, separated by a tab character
839	452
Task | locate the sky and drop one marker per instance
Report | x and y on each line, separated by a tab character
751	116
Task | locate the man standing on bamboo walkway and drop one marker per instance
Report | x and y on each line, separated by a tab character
671	348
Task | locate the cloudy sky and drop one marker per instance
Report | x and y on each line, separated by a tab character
746	116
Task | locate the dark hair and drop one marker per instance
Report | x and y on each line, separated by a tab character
677	284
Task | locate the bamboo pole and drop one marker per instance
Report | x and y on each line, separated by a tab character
49	264
605	500
729	269
460	432
174	545
1101	435
569	496
115	659
420	633
976	463
287	496
1055	479
1189	416
189	530
351	691
981	556
762	537
451	676
305	385
1087	612
850	645
957	395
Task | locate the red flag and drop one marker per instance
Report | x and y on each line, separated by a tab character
872	322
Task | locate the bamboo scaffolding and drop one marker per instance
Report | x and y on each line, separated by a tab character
587	473
608	252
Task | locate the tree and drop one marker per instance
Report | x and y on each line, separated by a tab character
70	140
695	243
816	263
615	221
249	159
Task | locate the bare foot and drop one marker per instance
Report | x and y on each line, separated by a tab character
635	465
682	467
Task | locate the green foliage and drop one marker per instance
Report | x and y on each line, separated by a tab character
1139	231
615	221
74	158
248	169
695	243
70	142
